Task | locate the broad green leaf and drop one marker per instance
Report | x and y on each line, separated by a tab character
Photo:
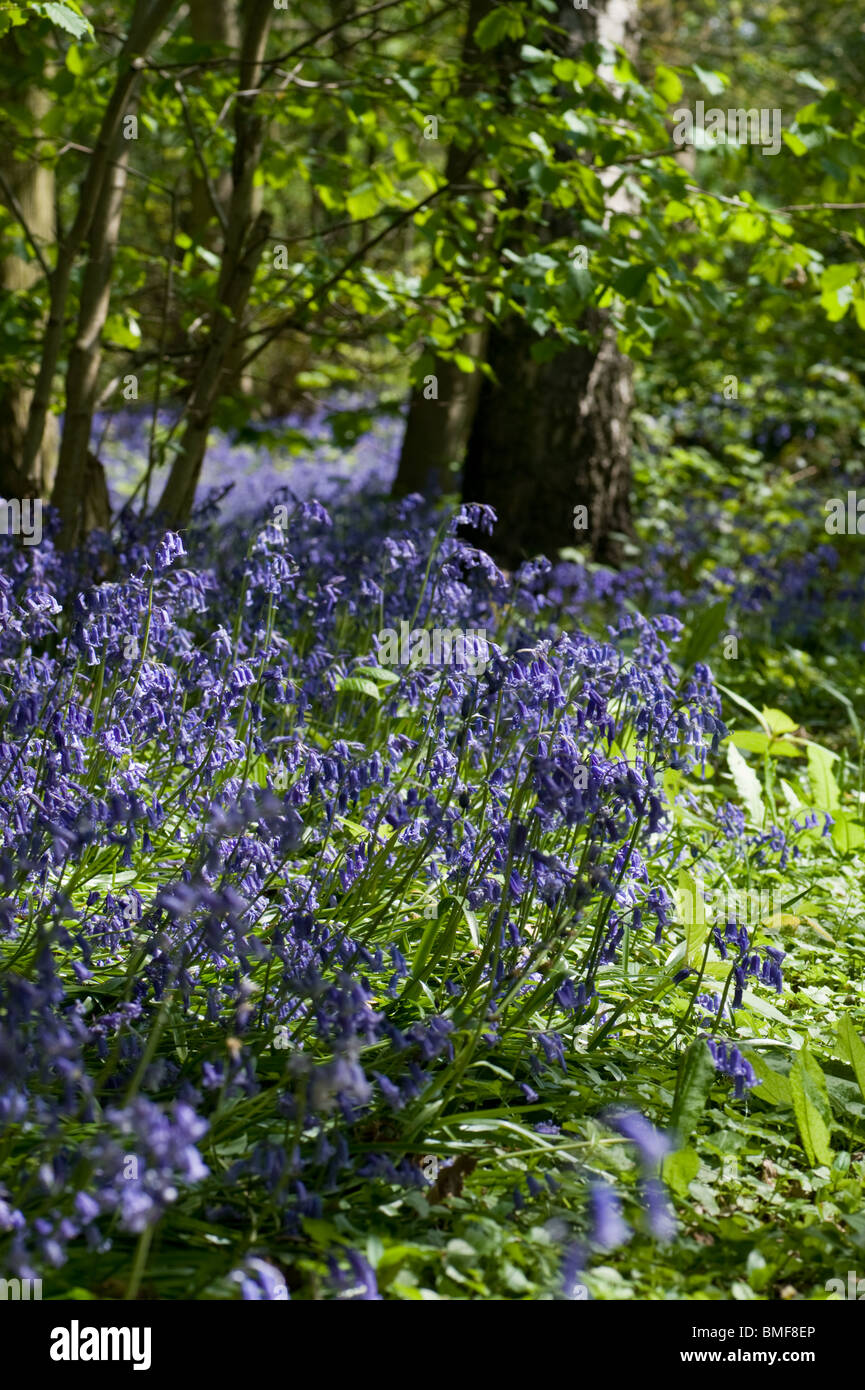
747	784
75	60
847	833
811	1107
501	23
712	82
758	1005
358	686
852	1049
362	202
807	79
668	84
774	1086
751	742
695	1080
824	788
679	1169
693	913
376	673
704	633
778	721
66	18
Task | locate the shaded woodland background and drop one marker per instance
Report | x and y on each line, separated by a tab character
236	214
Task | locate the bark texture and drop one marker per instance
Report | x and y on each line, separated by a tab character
245	240
212	22
548	439
28	192
437	427
147	20
75	473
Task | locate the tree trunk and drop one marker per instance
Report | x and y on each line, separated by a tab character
148	18
245	240
74	470
437	426
179	495
215	22
548	439
31	186
550	443
441	410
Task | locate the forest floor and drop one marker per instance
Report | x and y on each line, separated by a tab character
339	963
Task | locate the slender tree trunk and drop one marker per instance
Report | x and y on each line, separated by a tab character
245	240
82	375
30	185
441	410
148	17
550	444
214	22
179	494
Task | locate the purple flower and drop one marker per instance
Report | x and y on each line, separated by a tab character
609	1228
653	1144
260	1281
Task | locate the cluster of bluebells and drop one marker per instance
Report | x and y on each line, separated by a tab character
730	1062
218	848
766	968
746	963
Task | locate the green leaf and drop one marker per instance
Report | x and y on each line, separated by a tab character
362	202
679	1169
668	84
713	82
375	673
124	332
852	1049
695	1080
758	1005
774	1086
74	24
750	742
824	788
498	25
794	143
421	955
464	362
778	721
847	832
693	913
745	704
652	320
703	635
836	284
807	79
359	686
811	1107
469	917
632	279
747	784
